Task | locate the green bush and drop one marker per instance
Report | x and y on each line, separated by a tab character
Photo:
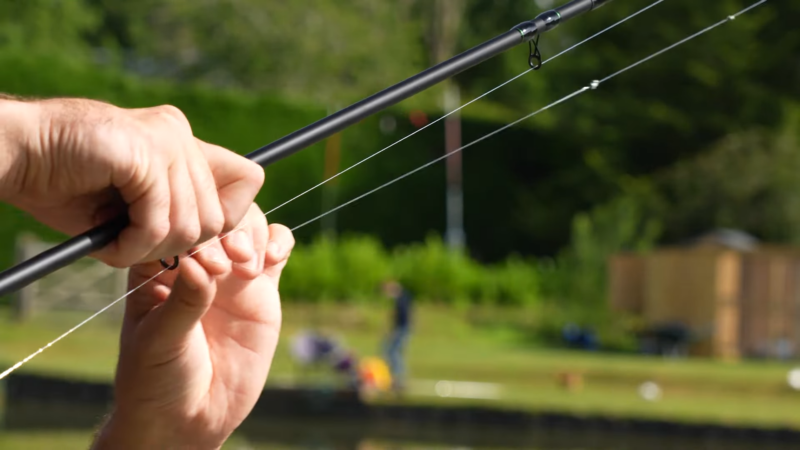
353	267
436	273
348	269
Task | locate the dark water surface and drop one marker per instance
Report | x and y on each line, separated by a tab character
298	419
346	434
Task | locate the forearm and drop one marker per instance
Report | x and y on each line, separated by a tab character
18	125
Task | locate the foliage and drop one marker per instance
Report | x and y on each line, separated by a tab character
748	181
241	121
327	53
574	284
578	275
543	184
35	25
319	46
347	269
352	268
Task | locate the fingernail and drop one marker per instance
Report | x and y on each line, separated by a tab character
274	249
214	255
251	265
242	240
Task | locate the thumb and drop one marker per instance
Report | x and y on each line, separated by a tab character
191	296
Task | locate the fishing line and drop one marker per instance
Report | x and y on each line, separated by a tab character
594	85
71	330
462	107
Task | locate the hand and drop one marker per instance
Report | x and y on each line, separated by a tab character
77	163
196	347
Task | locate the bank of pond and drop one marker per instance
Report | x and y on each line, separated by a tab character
309	417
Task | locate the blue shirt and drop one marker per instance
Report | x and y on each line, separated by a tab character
402	309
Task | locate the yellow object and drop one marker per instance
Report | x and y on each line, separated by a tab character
375	374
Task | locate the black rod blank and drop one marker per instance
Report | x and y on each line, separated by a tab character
95	239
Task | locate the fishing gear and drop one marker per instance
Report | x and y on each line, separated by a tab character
95	239
592	86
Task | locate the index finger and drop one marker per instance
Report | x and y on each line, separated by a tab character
237	178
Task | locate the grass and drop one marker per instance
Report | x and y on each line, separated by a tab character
447	345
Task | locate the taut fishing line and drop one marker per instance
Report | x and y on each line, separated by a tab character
594	85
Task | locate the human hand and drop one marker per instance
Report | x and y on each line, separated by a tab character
197	345
74	164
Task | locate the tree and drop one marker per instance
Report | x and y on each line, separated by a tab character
312	49
46	25
748	181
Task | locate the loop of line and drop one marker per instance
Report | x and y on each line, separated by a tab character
593	86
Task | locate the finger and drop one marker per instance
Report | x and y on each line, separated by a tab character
238	245
255	225
213	258
149	207
183	217
151	285
238	180
281	243
209	209
190	298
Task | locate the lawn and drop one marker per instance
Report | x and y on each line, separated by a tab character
448	346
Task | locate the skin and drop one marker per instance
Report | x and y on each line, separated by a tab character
73	164
196	343
196	346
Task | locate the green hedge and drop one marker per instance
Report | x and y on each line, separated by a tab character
352	269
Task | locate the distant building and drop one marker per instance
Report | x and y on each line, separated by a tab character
735	296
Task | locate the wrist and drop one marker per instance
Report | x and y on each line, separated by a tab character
18	137
121	432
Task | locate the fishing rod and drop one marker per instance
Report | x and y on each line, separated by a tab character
95	239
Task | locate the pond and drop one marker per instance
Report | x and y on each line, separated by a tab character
349	435
45	413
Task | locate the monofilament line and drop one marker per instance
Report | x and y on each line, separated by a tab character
594	85
71	330
501	85
445	156
683	41
573	47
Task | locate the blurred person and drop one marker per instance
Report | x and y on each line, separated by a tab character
196	343
400	331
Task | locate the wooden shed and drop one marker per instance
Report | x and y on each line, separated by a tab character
736	303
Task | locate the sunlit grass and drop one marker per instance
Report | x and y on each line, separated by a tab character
445	345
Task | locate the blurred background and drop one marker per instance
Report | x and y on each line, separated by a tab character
622	271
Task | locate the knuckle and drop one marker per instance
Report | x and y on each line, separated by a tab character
255	215
233	219
189	234
158	232
170	111
172	114
255	175
212	226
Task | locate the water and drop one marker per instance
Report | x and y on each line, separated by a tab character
350	435
46	414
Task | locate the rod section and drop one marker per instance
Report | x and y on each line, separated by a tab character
95	239
340	120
